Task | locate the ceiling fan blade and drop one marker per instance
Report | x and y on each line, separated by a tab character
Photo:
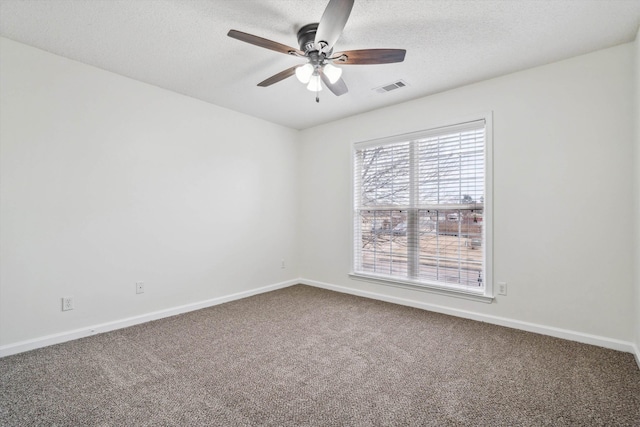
338	88
370	56
332	23
280	76
259	41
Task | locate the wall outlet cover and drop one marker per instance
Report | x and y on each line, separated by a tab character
67	303
502	288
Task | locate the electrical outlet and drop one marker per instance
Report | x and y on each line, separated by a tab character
502	288
139	287
67	303
282	264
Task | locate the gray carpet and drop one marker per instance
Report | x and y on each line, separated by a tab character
303	356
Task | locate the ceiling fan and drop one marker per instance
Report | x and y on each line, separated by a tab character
316	46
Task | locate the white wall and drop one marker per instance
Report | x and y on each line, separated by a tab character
106	181
637	192
563	144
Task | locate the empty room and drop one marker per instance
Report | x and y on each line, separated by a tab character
320	213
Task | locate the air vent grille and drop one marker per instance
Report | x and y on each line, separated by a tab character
391	86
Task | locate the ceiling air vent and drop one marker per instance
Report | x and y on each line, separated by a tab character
391	86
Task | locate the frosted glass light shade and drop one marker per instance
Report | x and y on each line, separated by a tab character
315	84
332	72
304	72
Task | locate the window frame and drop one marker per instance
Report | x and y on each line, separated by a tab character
485	295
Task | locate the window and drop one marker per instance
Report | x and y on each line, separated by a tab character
420	209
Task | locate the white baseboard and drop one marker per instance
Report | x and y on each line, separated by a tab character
48	340
61	337
614	344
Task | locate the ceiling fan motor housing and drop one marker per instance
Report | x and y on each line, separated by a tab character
307	37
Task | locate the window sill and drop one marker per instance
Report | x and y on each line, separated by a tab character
418	286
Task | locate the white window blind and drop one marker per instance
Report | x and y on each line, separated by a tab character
419	207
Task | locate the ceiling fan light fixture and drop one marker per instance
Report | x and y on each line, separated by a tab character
332	72
304	72
315	84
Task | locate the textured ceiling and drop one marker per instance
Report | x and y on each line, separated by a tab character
181	45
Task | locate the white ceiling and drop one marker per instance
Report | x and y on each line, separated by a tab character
181	45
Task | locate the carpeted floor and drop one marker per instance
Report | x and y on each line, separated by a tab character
303	356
